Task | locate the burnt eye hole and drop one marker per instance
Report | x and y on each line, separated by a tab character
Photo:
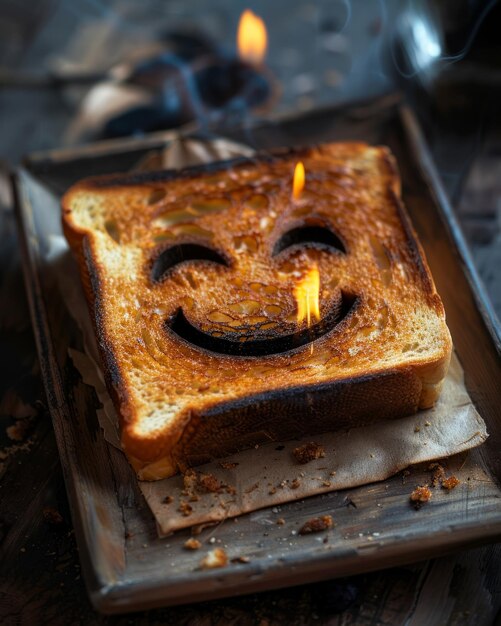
170	257
313	236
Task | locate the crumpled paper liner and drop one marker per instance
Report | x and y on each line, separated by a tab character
269	475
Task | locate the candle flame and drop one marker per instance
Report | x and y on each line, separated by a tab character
252	38
298	180
306	293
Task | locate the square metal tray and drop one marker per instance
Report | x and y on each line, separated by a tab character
127	567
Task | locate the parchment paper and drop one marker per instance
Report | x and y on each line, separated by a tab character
270	475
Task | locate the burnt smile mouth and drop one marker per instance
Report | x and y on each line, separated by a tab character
184	329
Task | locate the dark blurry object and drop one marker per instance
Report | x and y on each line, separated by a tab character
193	79
213	87
223	81
448	52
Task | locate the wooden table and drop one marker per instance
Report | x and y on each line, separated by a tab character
40	580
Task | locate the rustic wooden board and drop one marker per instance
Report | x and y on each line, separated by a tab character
126	566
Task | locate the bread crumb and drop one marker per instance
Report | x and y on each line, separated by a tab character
202	483
215	558
192	544
420	495
240	559
450	483
295	484
209	483
316	524
168	500
417	429
438	474
427	423
272	491
185	508
280	521
227	465
189	480
308	452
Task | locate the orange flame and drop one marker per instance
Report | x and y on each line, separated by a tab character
298	180
252	38
306	293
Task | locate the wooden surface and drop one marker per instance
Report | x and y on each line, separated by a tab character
40	574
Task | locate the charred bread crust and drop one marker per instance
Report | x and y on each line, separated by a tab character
287	414
117	181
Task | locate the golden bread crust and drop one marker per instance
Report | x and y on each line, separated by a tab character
181	402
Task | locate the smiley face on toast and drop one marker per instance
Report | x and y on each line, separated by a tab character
256	272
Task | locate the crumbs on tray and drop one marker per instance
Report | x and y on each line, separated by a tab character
316	525
192	544
423	494
308	452
199	483
185	509
227	465
213	559
450	483
420	495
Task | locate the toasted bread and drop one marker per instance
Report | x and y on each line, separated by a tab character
190	277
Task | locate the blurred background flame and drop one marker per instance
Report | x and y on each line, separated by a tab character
252	38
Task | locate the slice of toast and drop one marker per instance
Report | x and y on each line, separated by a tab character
191	279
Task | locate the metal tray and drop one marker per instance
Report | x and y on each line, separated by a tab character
126	566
